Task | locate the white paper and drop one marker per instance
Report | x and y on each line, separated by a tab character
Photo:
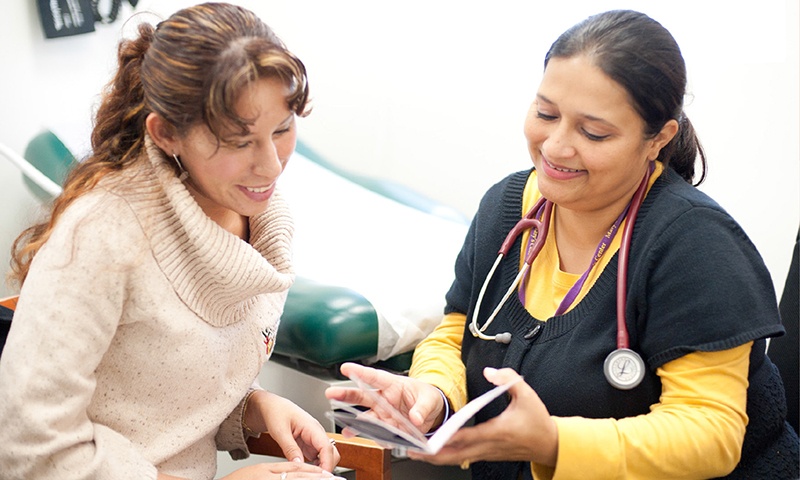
406	435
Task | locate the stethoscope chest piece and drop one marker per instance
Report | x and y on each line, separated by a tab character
624	368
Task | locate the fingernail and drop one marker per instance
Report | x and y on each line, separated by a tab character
490	370
297	460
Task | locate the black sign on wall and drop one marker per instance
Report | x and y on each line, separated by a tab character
61	18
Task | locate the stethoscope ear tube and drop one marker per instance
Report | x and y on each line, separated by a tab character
529	221
473	326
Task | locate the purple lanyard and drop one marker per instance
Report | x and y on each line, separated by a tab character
572	294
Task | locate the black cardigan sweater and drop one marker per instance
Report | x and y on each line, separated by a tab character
695	283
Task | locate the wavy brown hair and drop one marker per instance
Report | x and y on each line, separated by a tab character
189	70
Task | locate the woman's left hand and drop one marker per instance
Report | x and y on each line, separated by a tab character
525	431
299	435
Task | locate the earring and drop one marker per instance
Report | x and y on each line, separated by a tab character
184	174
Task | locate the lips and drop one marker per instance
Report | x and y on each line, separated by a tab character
258	194
257	189
559	169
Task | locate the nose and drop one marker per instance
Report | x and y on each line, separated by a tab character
559	142
267	161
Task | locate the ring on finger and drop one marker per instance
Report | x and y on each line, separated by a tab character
283	475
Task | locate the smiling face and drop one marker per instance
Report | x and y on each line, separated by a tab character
586	140
235	178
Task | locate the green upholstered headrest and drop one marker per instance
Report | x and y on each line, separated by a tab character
326	324
50	156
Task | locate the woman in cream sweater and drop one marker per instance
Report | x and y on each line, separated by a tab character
151	297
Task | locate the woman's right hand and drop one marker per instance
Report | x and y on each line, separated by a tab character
421	402
281	471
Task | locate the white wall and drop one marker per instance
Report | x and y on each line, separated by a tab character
434	93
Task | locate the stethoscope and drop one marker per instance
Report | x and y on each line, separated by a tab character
623	368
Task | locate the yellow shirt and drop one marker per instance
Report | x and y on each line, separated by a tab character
695	431
547	283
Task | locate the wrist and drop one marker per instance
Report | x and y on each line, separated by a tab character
444	413
252	420
550	445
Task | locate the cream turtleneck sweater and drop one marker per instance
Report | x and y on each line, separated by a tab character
140	328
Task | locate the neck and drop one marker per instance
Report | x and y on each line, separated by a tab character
231	221
236	224
578	233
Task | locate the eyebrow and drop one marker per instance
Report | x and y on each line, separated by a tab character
288	118
584	115
283	123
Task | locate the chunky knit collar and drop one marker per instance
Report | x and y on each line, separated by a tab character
215	273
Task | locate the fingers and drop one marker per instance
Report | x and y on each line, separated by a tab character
352	396
323	452
349	369
376	379
422	403
296	471
520	392
501	376
306	445
291	450
428	408
318	447
469	444
328	455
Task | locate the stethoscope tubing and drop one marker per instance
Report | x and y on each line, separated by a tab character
530	221
623	341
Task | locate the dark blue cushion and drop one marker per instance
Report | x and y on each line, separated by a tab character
5	324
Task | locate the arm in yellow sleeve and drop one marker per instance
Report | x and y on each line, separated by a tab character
437	360
695	431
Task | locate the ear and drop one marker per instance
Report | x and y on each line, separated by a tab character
662	138
162	133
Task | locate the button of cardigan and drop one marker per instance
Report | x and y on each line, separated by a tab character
533	332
